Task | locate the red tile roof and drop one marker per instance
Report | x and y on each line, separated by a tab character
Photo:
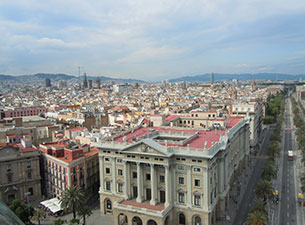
198	142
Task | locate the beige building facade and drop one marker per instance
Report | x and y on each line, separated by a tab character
166	176
19	175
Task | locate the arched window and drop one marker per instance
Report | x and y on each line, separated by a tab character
108	204
197	220
181	219
151	222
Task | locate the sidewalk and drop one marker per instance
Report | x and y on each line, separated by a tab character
299	169
238	190
97	218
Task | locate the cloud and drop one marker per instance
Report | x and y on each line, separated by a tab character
166	37
152	54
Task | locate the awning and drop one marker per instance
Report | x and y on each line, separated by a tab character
300	195
52	204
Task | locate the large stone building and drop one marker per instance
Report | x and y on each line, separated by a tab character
19	172
163	175
254	111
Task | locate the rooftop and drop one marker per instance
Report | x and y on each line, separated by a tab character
175	136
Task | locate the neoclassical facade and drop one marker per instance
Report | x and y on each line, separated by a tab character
159	175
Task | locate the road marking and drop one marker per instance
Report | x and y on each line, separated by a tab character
287	214
287	206
288	198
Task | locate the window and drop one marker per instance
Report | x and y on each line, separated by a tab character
9	178
120	187
162	179
120	172
108	186
180	167
181	197
197	183
107	170
147	176
181	180
9	167
197	200
119	160
196	169
29	175
28	164
181	218
31	191
107	159
134	175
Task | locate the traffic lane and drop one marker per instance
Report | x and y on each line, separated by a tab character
292	201
283	196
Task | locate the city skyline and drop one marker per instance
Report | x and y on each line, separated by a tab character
136	40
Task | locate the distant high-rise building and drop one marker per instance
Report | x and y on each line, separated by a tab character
90	84
62	84
85	81
98	83
48	82
212	78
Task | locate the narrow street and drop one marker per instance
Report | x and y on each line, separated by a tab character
260	160
287	205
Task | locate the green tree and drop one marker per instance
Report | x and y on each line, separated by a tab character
269	171
23	211
59	221
259	205
39	215
72	199
257	218
264	190
84	212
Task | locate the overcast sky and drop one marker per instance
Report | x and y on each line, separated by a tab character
150	39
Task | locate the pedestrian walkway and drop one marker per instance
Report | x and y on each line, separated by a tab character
237	192
97	218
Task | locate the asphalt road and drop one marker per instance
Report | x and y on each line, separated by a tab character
287	213
246	202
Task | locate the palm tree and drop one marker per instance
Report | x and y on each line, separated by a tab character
264	189
59	221
39	215
259	205
72	199
83	212
269	171
257	218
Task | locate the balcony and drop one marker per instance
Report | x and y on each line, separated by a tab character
145	207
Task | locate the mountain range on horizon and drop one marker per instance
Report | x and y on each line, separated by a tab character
196	78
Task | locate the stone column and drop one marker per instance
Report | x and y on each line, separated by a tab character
126	179
167	187
101	173
174	193
139	183
153	184
189	186
114	189
205	187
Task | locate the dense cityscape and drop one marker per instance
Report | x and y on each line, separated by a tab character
153	153
152	112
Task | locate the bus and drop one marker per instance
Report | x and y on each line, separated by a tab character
290	155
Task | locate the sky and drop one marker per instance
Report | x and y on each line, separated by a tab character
152	40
